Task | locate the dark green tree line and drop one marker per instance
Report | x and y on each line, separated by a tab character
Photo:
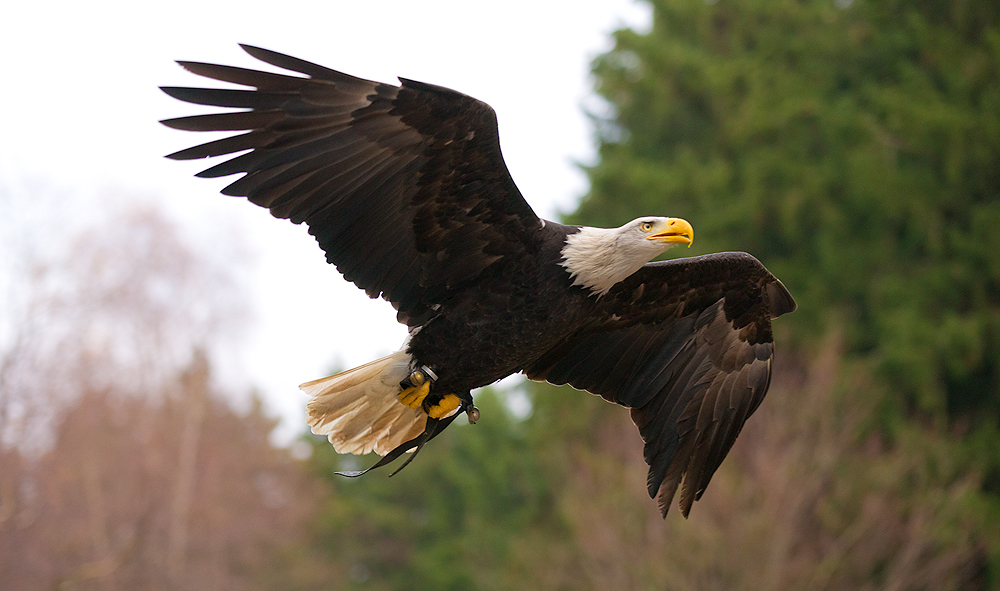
854	149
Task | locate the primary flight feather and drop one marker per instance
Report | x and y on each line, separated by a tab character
406	190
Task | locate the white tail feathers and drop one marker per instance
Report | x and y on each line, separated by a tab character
359	409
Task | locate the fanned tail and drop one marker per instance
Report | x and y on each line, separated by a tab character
359	410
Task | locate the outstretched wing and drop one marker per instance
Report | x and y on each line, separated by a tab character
404	187
686	345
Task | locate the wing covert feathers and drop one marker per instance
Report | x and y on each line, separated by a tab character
687	346
404	187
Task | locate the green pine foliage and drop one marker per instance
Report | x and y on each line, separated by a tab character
854	149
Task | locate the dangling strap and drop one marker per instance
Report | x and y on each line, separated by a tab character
431	430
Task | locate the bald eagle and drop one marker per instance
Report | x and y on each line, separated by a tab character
405	189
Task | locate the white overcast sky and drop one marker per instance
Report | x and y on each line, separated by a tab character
80	103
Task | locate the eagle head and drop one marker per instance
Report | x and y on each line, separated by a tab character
598	258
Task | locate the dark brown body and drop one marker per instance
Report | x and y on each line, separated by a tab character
513	313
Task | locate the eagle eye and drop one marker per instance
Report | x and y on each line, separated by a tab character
646	226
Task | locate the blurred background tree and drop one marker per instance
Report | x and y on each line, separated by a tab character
123	463
854	148
851	146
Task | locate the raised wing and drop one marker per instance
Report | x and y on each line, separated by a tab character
404	187
686	345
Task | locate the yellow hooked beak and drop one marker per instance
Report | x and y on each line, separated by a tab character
673	231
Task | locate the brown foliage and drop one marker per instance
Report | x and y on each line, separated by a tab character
806	500
177	494
123	466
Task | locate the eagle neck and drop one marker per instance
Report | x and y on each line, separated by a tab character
595	260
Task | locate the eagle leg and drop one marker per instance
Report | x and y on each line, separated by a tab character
417	386
443	407
438	407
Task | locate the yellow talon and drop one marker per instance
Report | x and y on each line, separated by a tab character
448	403
414	396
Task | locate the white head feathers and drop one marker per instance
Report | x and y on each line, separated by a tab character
598	258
